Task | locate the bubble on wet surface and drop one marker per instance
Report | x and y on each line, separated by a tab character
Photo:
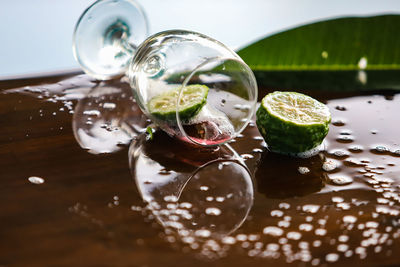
337	199
306	227
170	198
284	205
92	112
338	122
108	105
345	139
303	170
320	231
341	108
258	150
338	179
293	235
272	230
311	208
332	257
380	149
396	152
228	240
349	219
247	156
329	165
276	213
339	153
356	149
213	211
36	180
203	233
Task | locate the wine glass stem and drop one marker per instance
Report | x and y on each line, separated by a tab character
117	36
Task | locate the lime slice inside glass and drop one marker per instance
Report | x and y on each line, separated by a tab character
193	98
291	122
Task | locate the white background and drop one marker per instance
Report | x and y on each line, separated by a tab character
36	34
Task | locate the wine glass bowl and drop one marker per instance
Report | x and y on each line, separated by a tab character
174	60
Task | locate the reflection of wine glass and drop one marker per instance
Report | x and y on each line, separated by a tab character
192	195
107	36
107	118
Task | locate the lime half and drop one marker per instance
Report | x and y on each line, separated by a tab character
291	122
193	98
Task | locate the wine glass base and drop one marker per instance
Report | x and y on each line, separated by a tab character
106	37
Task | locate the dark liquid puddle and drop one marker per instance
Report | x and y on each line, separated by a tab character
238	203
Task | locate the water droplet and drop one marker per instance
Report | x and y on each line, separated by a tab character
311	208
220	199
305	227
209	198
371	224
242	107
338	122
329	165
343	238
345	139
213	211
204	188
303	170
332	257
36	180
276	213
241	237
341	108
272	247
349	219
317	243
92	112
246	156
284	224
293	235
320	231
380	149
170	198
229	240
337	199
356	149
362	63
340	153
340	180
109	105
284	205
272	230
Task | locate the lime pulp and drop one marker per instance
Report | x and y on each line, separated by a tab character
164	106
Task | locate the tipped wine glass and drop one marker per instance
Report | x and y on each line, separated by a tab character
192	86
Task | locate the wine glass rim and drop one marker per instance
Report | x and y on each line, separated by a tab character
253	95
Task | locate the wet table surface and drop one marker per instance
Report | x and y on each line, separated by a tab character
80	186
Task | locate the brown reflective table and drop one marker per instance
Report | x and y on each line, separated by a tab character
71	197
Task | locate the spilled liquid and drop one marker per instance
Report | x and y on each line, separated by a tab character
234	205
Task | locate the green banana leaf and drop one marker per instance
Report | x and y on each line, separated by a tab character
340	54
